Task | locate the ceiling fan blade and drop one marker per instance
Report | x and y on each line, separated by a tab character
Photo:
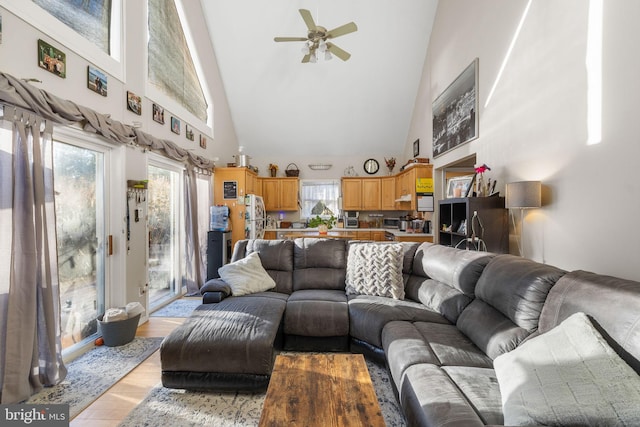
306	58
290	39
306	15
342	30
342	54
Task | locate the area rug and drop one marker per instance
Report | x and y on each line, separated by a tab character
93	373
179	308
182	408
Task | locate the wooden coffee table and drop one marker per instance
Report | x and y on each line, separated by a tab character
321	390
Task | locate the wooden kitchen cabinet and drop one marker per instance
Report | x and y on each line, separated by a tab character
406	185
388	193
280	194
361	194
351	194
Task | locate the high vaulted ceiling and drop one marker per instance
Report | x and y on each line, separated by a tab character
280	105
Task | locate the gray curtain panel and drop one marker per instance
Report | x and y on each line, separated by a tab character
30	326
193	278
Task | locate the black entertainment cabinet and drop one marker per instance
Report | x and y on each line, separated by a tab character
487	216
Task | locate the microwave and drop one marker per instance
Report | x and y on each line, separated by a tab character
390	222
350	222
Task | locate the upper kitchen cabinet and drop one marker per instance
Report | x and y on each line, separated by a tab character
361	194
280	194
388	193
406	185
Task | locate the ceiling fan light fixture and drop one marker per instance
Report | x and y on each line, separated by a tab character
328	56
322	46
313	58
305	49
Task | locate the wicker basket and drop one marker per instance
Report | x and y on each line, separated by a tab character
292	172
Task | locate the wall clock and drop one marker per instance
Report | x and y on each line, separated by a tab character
371	166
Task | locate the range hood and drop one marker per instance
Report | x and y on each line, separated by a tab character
405	198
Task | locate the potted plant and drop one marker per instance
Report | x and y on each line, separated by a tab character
323	224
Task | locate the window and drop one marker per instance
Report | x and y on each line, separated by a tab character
319	197
81	224
89	18
171	68
165	236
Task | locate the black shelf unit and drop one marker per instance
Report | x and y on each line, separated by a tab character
491	213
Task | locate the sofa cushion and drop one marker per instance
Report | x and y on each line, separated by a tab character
509	297
317	313
411	343
429	397
480	387
444	278
319	264
276	257
568	376
375	269
246	276
368	315
611	302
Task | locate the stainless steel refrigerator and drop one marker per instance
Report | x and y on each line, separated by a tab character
255	217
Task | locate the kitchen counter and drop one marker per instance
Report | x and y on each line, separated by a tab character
335	230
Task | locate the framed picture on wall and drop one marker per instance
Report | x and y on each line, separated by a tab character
175	125
188	132
203	141
455	112
134	103
158	113
416	147
96	80
52	59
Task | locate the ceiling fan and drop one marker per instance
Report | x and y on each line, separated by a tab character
317	39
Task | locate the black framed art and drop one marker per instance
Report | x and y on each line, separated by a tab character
455	112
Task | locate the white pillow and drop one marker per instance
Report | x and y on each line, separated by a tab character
375	269
568	376
246	276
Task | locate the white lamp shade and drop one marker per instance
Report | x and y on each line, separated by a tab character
524	194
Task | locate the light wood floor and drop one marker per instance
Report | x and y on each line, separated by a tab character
114	405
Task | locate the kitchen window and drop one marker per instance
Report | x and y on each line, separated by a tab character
319	197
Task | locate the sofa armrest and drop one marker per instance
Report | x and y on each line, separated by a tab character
215	290
213	297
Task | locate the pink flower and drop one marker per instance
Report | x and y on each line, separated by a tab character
482	169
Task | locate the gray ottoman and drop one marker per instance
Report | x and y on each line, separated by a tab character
225	346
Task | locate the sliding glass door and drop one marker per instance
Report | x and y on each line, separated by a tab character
165	201
80	195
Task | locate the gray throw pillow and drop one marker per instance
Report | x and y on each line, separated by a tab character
375	269
568	376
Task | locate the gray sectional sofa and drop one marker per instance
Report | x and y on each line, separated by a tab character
462	310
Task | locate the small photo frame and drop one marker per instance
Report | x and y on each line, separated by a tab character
462	229
203	141
416	147
52	59
175	125
158	113
134	103
188	132
97	80
459	186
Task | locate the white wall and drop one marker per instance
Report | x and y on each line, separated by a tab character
536	125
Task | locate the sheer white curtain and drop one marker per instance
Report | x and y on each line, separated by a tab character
197	201
30	350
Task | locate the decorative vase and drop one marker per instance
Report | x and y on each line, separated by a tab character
323	229
273	172
480	186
